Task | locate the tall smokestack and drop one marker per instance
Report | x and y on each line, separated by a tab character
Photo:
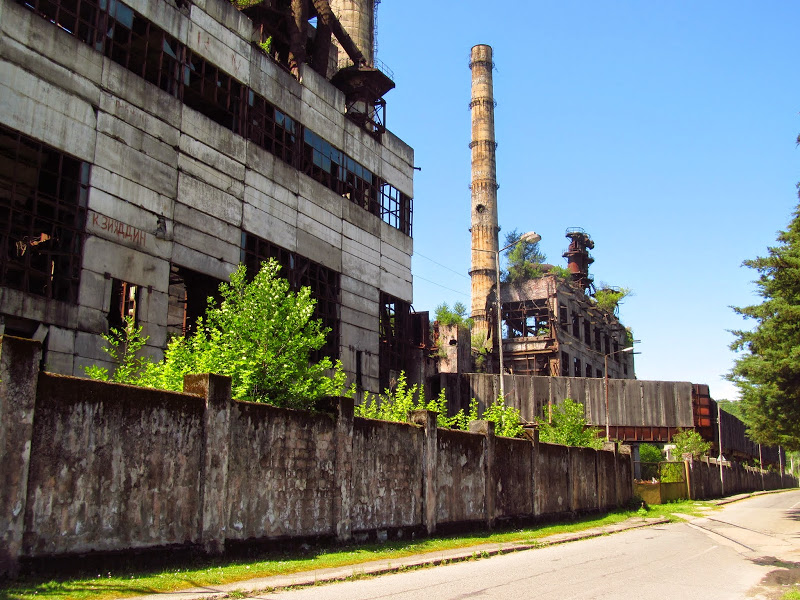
484	187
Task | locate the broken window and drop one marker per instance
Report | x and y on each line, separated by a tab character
616	351
588	370
563	317
43	194
565	364
530	318
76	17
124	304
270	128
587	332
576	325
607	344
211	91
141	47
188	298
300	272
577	367
598	342
359	185
395	208
395	331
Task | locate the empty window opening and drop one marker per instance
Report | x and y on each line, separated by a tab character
43	194
576	325
577	367
587	332
563	317
526	319
565	364
598	341
394	333
588	370
189	292
124	304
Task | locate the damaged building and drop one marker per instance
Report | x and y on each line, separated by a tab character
147	148
552	326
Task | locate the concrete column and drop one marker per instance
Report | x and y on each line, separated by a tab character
344	470
624	483
19	373
214	476
487	429
427	418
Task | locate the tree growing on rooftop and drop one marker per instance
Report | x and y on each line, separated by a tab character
767	372
524	259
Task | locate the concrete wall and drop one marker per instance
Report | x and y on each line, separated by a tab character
152	156
99	467
631	402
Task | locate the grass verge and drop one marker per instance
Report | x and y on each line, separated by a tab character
211	572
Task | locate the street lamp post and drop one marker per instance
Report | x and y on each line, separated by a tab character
531	237
605	364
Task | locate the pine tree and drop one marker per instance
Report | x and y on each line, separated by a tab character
768	371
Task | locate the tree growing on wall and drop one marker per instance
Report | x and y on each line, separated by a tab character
455	316
767	372
261	335
566	425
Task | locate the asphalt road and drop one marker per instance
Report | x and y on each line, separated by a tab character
749	549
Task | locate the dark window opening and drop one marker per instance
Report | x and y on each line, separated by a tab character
189	292
301	272
394	336
576	325
272	130
124	304
563	317
43	194
526	319
141	47
577	367
76	17
588	370
607	344
587	333
616	351
212	92
564	364
625	368
598	344
359	185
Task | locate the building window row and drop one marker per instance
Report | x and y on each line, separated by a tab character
43	198
301	272
140	46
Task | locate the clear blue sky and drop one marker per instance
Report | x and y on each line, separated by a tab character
665	129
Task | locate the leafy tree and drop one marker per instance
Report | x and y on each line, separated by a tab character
733	407
261	335
123	346
768	371
690	442
524	259
649	458
567	426
456	316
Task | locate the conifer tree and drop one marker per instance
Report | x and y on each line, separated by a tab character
768	371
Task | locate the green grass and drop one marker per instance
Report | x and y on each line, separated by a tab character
209	572
791	595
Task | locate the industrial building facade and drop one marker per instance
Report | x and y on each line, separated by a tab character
149	147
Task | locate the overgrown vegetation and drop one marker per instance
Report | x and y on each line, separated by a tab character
767	372
457	316
566	425
394	405
649	458
609	299
524	259
261	335
690	442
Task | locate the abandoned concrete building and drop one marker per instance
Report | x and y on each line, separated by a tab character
552	327
147	148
